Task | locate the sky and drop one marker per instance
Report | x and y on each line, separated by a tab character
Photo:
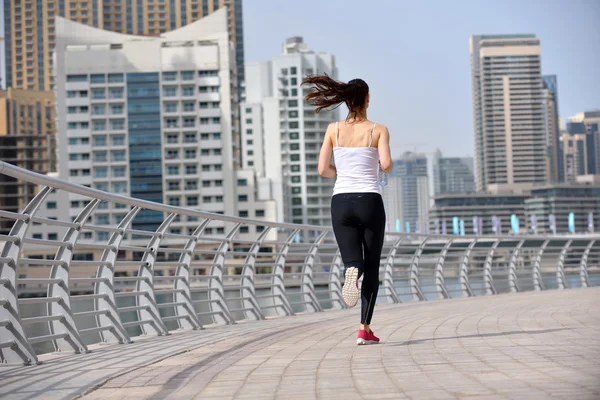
415	55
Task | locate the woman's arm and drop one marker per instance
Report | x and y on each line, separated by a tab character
325	168
385	155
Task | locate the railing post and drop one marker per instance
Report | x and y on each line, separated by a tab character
561	280
250	304
218	305
278	282
440	283
389	290
106	286
335	283
147	300
10	319
66	325
538	280
513	283
414	284
183	296
488	277
465	286
307	282
583	273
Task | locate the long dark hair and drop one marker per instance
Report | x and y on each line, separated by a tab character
327	93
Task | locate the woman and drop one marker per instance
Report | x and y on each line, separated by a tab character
358	146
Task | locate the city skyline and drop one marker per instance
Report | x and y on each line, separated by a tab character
565	52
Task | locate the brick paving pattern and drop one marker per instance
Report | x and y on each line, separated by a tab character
536	345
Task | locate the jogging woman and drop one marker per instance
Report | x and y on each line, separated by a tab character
358	146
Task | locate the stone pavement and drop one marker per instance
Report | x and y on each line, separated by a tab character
534	345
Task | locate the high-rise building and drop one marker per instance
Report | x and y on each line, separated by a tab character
413	186
30	30
152	118
27	140
588	124
508	111
574	153
452	174
552	128
282	136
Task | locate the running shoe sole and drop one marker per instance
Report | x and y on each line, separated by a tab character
350	289
361	342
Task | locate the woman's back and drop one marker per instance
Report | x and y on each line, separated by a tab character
356	158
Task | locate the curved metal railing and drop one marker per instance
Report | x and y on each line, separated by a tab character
90	281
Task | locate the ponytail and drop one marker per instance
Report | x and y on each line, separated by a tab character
327	93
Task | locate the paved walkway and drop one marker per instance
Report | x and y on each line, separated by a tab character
518	346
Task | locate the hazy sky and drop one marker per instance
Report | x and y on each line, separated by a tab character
415	54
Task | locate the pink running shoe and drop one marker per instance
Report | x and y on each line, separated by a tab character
365	337
350	290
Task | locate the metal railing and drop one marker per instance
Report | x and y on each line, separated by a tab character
67	292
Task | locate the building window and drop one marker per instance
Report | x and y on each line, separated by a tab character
118	172
98	78
243	197
77	78
191	169
100	140
243	213
191	185
250	152
293	71
170	107
51	205
218	199
116	109
118	140
173	138
118	156
192	201
116	93
190	138
170	92
187	91
101	172
292	103
188	106
119	188
294	136
98	126
260	213
190	154
52	236
169	76
173	170
187	75
117	124
248	120
98	94
98	109
171	122
249	142
189	122
174	201
244	229
115	78
100	156
242	182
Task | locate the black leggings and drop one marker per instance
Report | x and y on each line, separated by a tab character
359	226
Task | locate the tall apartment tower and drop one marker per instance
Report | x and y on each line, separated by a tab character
27	140
152	118
508	111
452	174
552	128
30	29
588	124
282	136
407	198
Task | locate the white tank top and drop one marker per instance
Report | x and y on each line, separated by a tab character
357	167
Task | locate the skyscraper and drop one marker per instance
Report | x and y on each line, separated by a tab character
452	174
152	117
508	111
27	140
552	128
588	124
281	134
30	30
413	186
